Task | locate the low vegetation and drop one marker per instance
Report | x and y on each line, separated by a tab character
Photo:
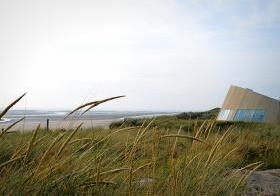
257	141
161	156
210	114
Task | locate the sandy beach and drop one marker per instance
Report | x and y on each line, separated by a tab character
93	119
61	124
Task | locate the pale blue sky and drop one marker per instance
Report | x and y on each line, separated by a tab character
164	54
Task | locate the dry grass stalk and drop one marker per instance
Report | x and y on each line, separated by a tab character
207	128
31	143
53	168
183	136
103	182
92	104
173	176
17	151
10	126
250	165
99	174
175	143
114	171
126	150
141	167
67	140
246	175
80	140
140	128
216	145
130	181
114	132
134	171
137	139
84	147
155	148
102	101
195	126
15	155
210	129
191	161
106	138
212	164
10	161
11	105
224	157
174	173
39	140
199	131
56	140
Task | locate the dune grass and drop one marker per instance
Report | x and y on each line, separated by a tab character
146	159
139	160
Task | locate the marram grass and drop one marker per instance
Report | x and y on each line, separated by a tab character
124	163
142	160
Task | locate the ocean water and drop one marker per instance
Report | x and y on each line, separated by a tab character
39	116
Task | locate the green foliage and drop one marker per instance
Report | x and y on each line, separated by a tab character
162	122
211	114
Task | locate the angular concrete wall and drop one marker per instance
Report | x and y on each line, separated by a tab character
241	103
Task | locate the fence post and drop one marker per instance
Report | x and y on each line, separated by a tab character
48	124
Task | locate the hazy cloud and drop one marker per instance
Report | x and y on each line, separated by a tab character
164	55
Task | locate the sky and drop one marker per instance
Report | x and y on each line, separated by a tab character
164	55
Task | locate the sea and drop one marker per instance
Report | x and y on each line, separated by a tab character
41	116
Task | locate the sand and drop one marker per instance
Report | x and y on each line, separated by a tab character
61	124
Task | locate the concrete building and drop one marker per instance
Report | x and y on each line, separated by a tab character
243	104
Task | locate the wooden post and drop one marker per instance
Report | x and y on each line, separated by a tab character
48	124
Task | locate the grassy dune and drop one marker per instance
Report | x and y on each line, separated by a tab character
136	160
164	156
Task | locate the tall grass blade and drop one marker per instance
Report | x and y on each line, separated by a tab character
10	161
46	153
216	145
11	126
100	102
91	105
183	136
245	176
31	142
175	143
68	140
11	105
